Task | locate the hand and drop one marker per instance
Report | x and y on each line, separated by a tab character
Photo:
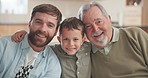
18	36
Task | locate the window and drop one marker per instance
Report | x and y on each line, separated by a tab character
13	6
133	2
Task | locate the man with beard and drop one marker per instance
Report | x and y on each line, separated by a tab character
116	53
32	58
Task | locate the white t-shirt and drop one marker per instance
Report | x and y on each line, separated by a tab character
28	65
30	58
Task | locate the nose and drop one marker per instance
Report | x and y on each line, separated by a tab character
44	28
95	27
71	42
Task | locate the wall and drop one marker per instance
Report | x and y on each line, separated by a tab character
9	24
8	29
67	7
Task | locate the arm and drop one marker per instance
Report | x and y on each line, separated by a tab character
140	39
18	36
143	43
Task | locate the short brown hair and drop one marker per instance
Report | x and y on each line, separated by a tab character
72	23
49	9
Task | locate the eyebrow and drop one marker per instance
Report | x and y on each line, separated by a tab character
38	19
42	21
97	19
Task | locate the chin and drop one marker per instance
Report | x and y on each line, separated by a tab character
71	53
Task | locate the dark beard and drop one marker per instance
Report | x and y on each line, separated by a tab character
35	42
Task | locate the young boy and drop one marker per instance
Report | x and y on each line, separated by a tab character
73	52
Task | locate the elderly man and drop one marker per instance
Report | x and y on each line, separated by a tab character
116	53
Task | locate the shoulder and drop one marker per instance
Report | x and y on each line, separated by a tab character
7	46
49	54
49	49
134	35
86	47
6	40
54	46
86	44
51	61
133	32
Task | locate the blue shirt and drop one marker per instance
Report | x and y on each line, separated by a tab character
12	57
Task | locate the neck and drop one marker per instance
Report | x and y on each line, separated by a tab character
36	48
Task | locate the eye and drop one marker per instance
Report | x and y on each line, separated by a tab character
50	25
76	39
65	39
38	22
88	26
99	22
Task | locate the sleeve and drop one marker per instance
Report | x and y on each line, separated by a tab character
1	48
140	39
143	42
3	43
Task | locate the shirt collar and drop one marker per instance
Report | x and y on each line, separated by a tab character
115	38
25	43
115	35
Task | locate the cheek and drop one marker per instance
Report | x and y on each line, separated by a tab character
34	28
63	44
79	44
108	30
51	32
88	32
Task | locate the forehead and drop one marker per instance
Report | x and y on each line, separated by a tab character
69	31
46	17
91	14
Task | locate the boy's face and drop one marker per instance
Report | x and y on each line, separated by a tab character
71	40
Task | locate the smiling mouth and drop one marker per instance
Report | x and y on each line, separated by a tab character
97	34
41	35
71	48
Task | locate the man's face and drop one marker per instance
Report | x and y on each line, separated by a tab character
42	29
98	27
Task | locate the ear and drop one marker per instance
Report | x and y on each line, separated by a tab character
58	38
55	32
29	24
109	17
84	39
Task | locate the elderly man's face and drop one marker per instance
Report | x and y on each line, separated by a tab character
98	27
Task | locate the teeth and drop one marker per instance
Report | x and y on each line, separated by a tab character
97	33
70	48
41	35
